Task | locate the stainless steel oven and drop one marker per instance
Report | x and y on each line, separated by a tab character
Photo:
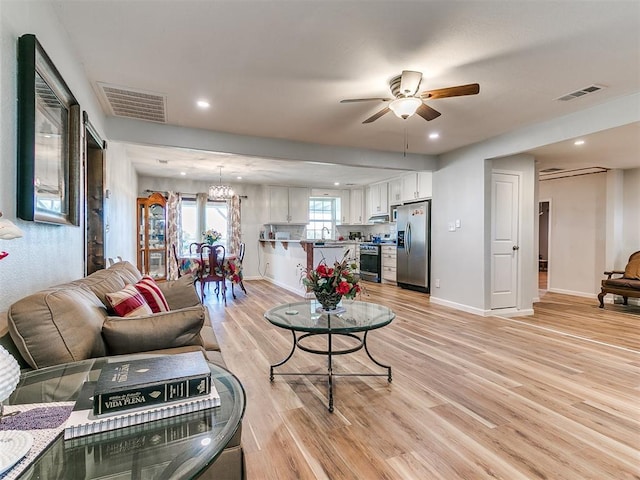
370	262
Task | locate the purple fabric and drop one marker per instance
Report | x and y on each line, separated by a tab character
36	419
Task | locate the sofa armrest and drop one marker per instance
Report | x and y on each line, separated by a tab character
614	272
180	293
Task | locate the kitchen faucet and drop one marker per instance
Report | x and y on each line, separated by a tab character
322	232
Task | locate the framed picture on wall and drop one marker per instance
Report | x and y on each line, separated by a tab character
49	143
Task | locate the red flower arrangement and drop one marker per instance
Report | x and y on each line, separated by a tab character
340	279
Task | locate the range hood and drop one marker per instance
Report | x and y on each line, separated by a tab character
379	218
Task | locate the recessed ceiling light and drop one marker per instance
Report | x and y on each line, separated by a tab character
336	183
434	135
202	104
579	142
183	173
239	178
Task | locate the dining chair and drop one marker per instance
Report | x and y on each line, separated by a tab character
241	259
211	270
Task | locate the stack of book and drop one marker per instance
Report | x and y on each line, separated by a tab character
142	390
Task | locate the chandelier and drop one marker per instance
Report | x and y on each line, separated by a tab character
220	191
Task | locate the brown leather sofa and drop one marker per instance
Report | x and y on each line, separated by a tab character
628	285
71	322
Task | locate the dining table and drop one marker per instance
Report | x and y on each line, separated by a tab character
231	266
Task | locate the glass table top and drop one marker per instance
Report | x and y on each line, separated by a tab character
356	317
178	447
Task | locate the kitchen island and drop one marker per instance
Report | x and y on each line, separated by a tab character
285	261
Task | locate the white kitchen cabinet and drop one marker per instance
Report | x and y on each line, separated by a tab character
344	216
356	207
289	205
417	185
395	191
389	262
377	199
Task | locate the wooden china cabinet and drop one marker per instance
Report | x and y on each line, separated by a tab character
152	235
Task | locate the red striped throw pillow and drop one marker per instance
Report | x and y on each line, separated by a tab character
152	294
128	302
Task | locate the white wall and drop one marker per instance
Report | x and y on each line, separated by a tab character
631	216
47	254
120	207
578	233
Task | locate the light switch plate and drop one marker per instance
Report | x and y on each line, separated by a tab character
458	223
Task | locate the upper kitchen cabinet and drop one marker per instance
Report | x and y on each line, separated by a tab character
151	244
395	191
416	186
289	205
356	207
345	207
377	199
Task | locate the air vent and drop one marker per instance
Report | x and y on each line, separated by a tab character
554	173
138	104
580	93
163	162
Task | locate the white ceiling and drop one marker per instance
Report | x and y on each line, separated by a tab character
279	68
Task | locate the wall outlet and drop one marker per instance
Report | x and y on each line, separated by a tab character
452	227
437	283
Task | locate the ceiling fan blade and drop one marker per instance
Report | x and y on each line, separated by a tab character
471	89
376	116
428	113
353	100
409	82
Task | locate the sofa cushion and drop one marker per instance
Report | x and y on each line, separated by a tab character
58	326
128	302
180	293
632	269
157	331
152	294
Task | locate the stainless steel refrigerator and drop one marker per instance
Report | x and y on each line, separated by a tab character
414	246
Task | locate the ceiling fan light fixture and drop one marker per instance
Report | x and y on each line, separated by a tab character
220	191
405	107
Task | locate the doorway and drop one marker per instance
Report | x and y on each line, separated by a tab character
94	194
544	228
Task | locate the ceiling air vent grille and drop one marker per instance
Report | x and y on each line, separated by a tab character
580	93
554	173
138	104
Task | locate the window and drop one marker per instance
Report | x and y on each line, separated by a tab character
322	218
193	224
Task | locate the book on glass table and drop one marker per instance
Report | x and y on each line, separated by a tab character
143	382
83	421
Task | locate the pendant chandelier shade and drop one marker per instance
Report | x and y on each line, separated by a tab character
405	107
220	191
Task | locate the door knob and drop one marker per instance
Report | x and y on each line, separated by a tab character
516	247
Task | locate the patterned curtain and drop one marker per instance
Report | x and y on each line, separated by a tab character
233	224
174	204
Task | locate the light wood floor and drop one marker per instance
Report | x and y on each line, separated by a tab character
551	396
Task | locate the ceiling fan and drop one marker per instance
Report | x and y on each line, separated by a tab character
407	101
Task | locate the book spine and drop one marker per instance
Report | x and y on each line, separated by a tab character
91	426
149	395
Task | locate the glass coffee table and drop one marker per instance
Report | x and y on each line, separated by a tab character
353	321
175	448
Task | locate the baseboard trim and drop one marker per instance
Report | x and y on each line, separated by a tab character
573	293
285	286
512	312
460	306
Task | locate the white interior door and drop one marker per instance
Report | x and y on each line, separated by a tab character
505	193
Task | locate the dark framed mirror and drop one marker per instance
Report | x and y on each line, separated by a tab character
49	140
